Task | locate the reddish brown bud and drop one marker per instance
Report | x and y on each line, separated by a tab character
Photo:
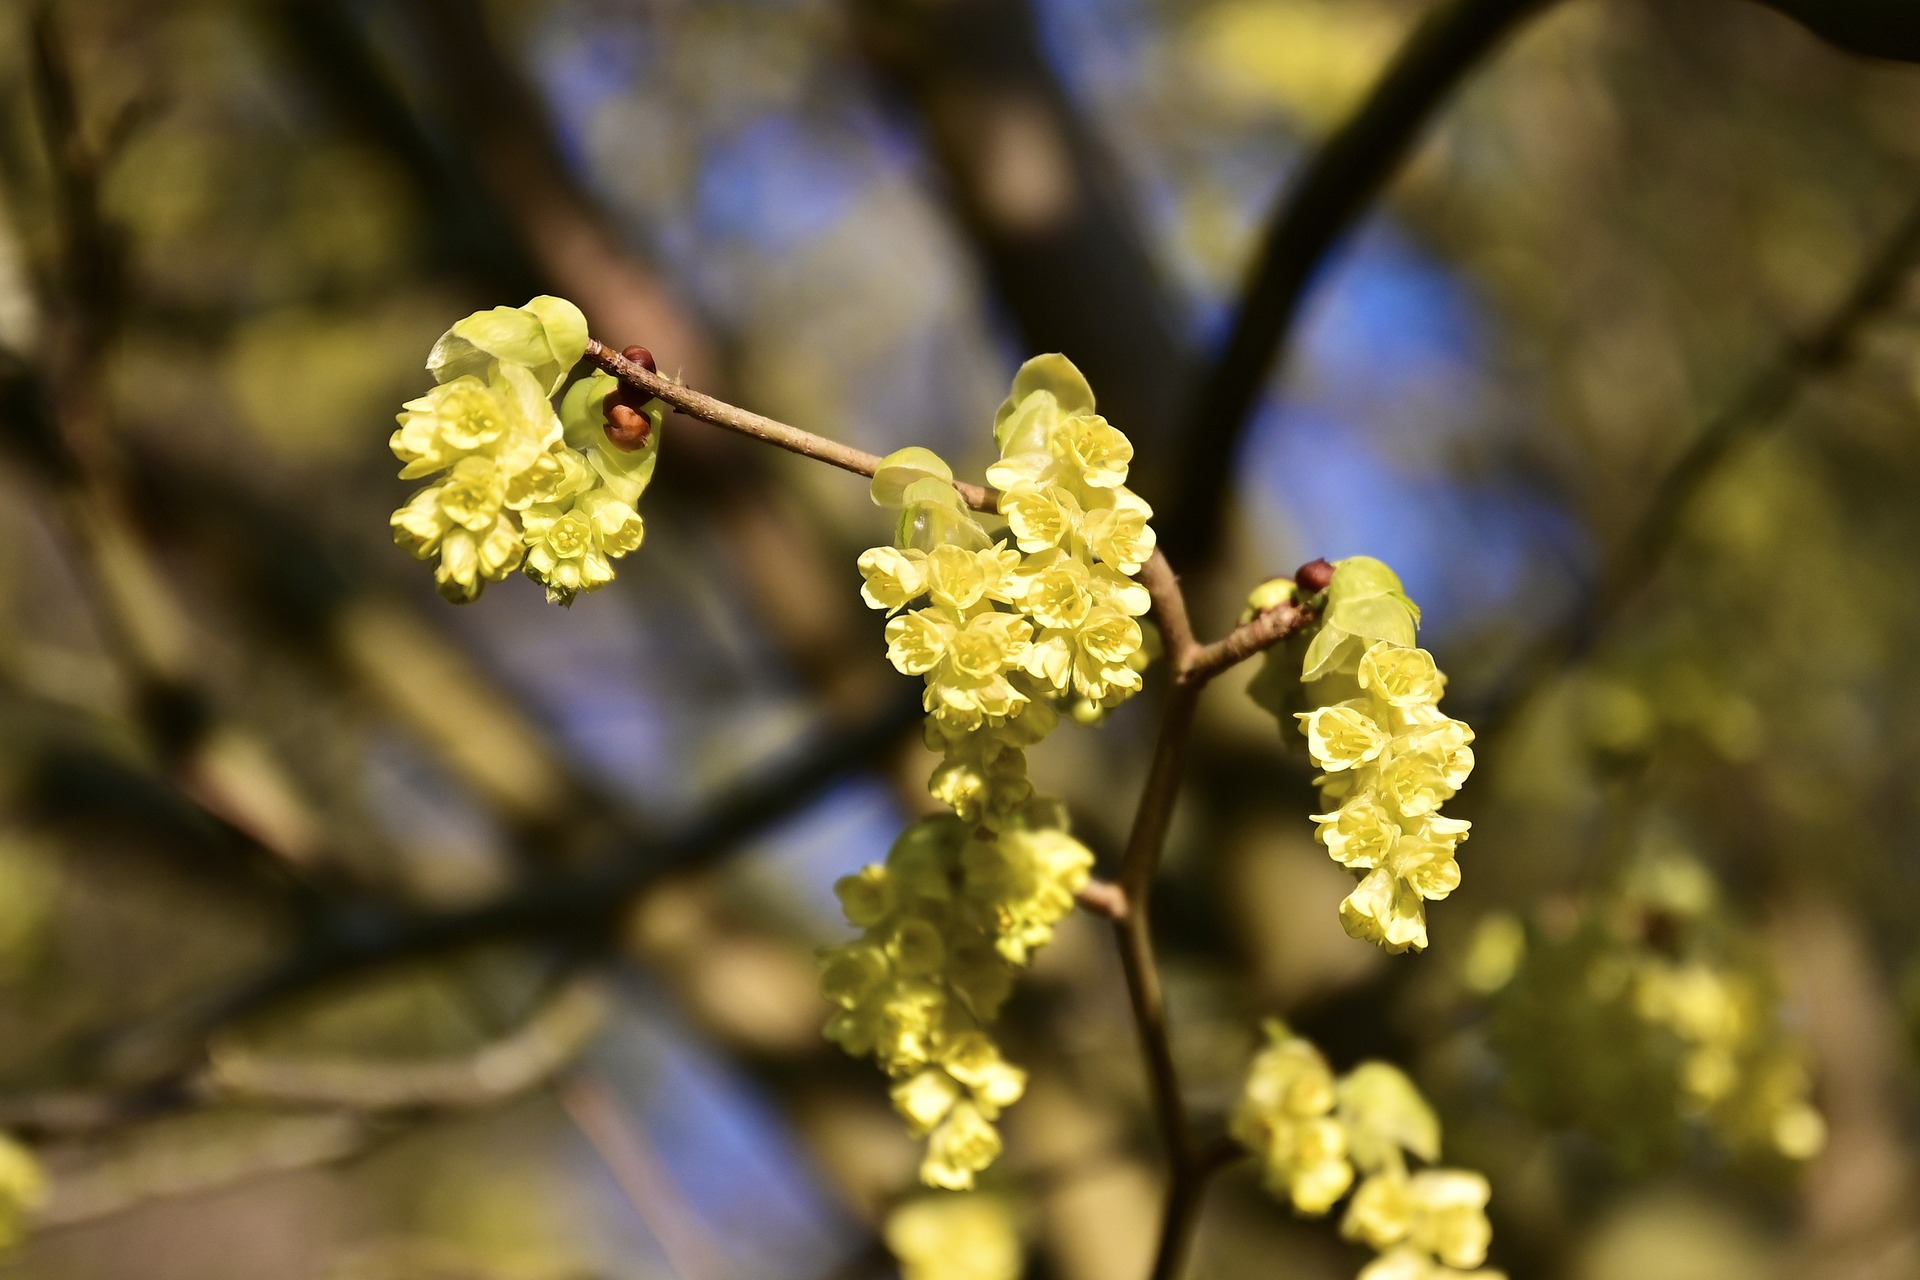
642	357
627	427
1312	577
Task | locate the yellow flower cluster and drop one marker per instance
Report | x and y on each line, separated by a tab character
1011	628
1314	1134
22	1187
521	486
1683	1004
1390	757
1054	614
966	1236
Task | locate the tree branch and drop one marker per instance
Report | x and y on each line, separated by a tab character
1338	184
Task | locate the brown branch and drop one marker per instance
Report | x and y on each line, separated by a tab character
1134	935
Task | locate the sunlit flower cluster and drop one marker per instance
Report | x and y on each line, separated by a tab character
1681	1005
1315	1135
520	485
1390	757
1012	628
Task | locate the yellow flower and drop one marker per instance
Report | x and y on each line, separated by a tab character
463	518
960	579
1360	832
975	1061
866	896
1411	1264
504	417
980	976
1385	910
1058	589
965	662
1341	736
1040	519
1119	534
1386	1118
925	1099
954	1237
1283	1117
1450	1215
967	899
894	578
1400	676
1027	880
564	553
491	425
965	1143
1381	1211
22	1188
916	947
849	974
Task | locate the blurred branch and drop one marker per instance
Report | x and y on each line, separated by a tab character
546	1042
1758	406
1338	184
58	415
506	129
191	1155
550	1039
1045	212
581	909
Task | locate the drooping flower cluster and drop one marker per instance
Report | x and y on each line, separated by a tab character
521	486
1390	757
1314	1134
1683	1006
1012	627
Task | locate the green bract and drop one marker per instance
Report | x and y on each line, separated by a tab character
547	336
1385	1115
1052	375
902	469
1365	603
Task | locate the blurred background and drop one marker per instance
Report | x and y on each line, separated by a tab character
348	934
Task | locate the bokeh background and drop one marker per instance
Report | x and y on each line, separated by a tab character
1620	374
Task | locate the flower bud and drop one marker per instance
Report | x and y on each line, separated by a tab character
627	427
1313	577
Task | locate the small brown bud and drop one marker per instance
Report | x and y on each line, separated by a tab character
642	357
1312	577
627	427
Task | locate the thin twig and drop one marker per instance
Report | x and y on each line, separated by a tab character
1337	186
719	413
1134	935
1193	665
